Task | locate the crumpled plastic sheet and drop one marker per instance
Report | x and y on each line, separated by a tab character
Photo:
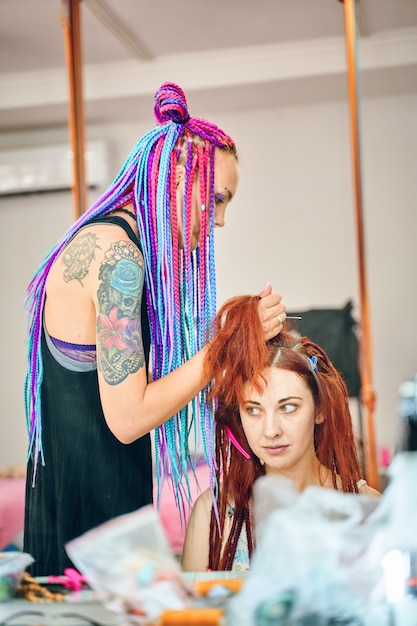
321	552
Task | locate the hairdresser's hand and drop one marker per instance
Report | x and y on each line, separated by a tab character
271	312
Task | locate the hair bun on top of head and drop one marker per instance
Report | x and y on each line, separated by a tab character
171	105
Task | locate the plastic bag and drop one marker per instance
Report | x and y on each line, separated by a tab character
317	560
129	561
12	567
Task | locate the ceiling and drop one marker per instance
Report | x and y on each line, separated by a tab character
225	53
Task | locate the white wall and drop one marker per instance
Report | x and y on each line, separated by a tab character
292	223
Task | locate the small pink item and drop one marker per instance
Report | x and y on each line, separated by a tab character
385	457
236	443
72	579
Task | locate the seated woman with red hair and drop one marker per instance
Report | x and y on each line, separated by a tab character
282	408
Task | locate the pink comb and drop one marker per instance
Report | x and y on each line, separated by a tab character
72	580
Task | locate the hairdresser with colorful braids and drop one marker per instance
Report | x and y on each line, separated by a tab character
131	283
283	409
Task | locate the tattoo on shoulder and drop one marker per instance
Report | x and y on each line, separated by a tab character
119	333
78	256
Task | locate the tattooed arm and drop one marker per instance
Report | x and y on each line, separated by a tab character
131	405
94	295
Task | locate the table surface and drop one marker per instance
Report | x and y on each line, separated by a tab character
85	603
82	603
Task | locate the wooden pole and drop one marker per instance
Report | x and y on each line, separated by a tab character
70	20
368	397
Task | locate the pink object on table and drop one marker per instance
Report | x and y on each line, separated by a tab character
72	579
12	509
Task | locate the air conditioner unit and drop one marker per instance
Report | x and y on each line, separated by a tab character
49	168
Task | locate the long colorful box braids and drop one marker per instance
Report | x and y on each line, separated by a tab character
180	284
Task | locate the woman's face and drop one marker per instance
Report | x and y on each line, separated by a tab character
226	178
279	422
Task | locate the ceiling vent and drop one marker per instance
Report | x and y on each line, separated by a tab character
49	168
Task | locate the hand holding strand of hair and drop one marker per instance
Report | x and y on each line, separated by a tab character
271	307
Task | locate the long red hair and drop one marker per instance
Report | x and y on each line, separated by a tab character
238	354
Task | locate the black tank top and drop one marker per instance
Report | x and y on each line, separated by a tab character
89	477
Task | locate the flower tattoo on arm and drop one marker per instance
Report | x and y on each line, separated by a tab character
119	334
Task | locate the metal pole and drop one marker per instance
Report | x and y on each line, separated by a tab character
368	396
70	20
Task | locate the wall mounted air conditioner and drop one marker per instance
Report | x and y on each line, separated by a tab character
49	168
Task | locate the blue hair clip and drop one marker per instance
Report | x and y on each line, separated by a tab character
313	363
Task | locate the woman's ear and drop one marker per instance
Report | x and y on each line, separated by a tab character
179	173
319	418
